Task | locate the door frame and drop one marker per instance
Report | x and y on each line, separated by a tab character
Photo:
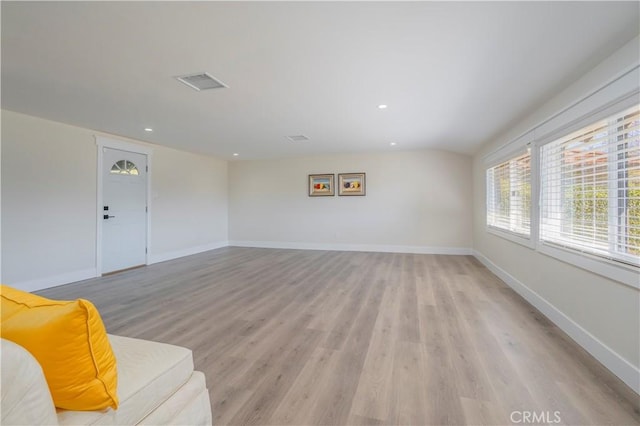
105	142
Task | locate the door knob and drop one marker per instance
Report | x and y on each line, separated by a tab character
106	216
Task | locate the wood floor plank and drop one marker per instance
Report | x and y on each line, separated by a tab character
373	395
302	337
408	399
355	420
335	404
470	376
303	395
478	412
268	387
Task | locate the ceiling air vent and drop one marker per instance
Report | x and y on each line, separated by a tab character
201	81
298	138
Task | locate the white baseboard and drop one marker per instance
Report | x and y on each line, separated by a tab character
619	366
170	255
54	281
354	247
85	274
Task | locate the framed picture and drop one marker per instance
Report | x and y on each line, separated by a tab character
321	185
351	184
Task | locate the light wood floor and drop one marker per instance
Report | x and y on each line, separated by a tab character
316	337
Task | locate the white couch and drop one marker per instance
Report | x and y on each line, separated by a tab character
156	386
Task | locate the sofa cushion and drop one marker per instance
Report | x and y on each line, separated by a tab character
190	405
69	341
25	395
149	373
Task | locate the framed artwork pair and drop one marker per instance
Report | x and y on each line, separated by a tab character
349	184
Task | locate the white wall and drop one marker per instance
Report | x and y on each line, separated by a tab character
49	202
0	202
601	314
415	201
48	192
189	204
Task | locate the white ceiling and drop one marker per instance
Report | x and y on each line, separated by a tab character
453	74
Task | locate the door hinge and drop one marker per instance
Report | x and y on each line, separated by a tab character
146	169
145	250
146	209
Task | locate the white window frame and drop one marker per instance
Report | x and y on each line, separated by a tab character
522	239
512	150
619	94
618	271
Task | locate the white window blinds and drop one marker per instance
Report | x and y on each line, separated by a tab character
590	189
509	195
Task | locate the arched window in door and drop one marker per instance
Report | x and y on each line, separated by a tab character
124	167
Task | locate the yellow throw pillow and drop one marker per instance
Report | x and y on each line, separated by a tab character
69	341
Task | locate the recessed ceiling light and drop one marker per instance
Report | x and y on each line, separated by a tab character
393	144
383	106
148	129
235	154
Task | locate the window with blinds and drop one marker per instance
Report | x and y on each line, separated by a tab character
509	195
590	189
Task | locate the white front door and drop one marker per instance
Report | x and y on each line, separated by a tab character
124	210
